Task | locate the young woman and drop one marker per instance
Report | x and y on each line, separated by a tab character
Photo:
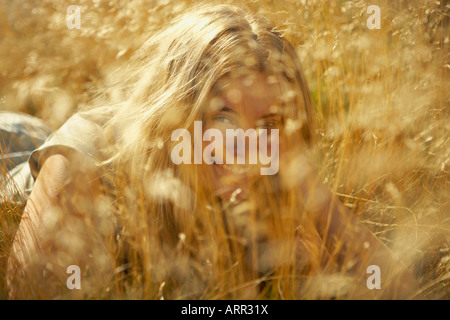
110	199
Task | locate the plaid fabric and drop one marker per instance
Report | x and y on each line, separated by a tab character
20	135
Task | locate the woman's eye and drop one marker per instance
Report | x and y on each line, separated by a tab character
268	124
223	119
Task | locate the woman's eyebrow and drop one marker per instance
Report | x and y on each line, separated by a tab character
226	109
271	115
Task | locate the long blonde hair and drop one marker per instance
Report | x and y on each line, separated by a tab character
175	234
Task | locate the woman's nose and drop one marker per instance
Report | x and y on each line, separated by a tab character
243	145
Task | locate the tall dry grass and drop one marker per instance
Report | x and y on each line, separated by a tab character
381	99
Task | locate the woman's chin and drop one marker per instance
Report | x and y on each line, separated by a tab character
231	181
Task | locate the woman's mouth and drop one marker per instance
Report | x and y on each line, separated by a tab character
236	168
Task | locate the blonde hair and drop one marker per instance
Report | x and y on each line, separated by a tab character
171	79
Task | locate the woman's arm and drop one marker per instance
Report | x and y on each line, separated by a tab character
59	227
351	245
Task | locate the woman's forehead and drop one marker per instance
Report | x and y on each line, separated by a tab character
255	94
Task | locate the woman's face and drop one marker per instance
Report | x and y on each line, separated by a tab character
244	103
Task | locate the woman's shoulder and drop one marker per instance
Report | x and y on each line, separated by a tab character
84	132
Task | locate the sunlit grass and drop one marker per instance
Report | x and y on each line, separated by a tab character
381	102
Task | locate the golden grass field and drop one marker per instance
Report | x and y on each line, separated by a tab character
381	100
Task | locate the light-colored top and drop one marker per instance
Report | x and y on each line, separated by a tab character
83	132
